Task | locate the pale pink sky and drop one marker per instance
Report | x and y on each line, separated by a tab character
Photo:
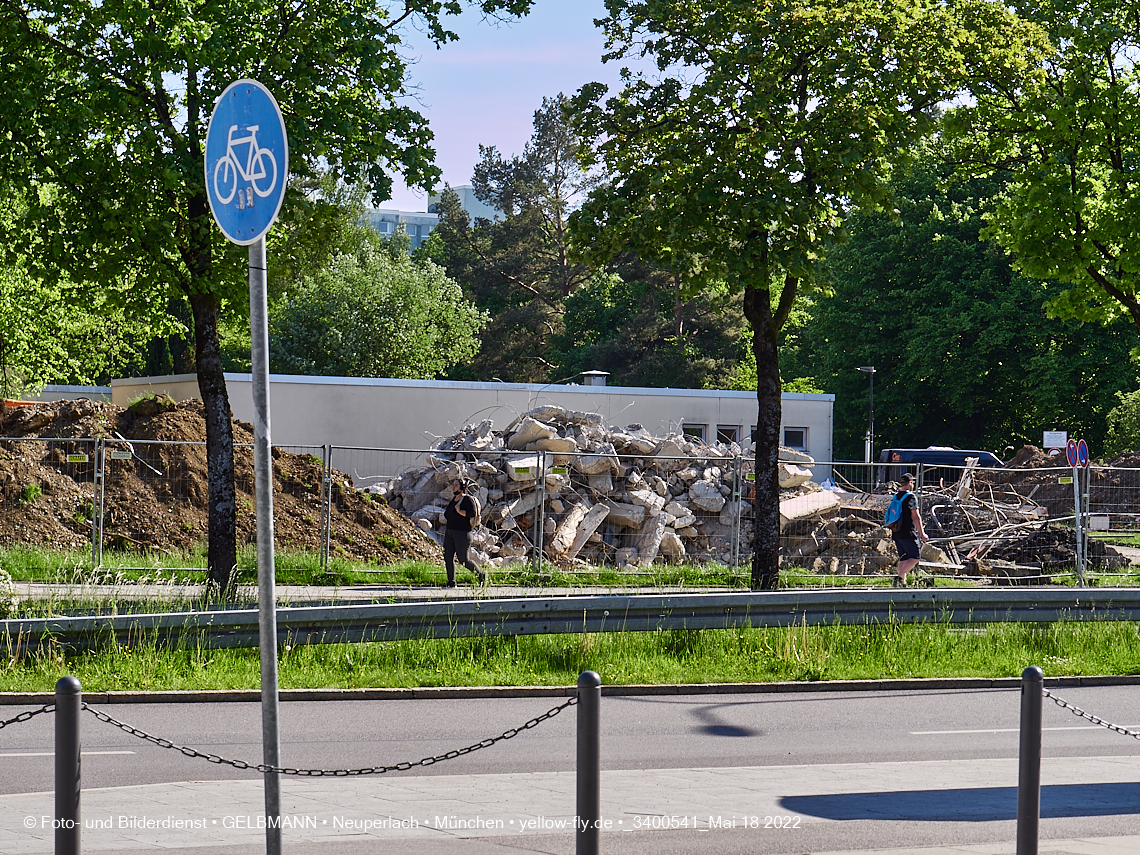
485	87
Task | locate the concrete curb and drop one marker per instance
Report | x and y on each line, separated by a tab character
679	689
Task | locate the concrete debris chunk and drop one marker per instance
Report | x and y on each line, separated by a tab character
626	515
648	540
530	430
706	496
671	545
586	530
567	531
522	468
791	475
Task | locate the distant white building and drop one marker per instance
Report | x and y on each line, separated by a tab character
388	221
470	202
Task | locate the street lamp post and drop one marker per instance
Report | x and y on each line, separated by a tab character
869	445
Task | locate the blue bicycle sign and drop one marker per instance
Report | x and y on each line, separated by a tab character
247	161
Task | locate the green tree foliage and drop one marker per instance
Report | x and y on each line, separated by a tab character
45	337
734	160
1070	138
638	325
518	268
1123	425
964	352
59	332
103	123
377	313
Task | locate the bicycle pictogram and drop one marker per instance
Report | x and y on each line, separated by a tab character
260	168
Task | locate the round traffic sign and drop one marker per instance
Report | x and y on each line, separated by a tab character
1082	454
247	161
1071	452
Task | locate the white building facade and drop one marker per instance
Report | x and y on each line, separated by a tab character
415	414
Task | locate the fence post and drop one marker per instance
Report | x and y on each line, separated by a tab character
1029	761
540	511
326	506
68	704
589	803
96	533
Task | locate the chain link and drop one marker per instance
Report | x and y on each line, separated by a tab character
28	714
336	773
1077	711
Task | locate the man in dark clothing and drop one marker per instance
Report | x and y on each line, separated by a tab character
910	525
458	515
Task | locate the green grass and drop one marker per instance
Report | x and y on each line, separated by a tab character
35	564
704	656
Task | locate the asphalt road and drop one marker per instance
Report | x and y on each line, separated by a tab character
709	732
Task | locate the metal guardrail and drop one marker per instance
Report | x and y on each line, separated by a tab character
600	613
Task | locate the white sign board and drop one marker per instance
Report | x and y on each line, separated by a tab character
1055	439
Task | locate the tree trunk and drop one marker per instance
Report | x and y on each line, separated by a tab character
766	499
222	555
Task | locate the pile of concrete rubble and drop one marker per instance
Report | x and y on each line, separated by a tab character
607	495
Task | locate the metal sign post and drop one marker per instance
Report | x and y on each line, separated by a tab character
1071	459
247	166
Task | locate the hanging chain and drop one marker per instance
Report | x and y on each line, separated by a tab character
28	714
1077	711
337	773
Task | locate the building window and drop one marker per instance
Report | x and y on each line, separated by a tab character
382	228
795	437
727	433
695	431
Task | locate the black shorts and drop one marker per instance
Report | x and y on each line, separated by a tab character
907	549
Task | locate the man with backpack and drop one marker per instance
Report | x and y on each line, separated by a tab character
906	527
460	514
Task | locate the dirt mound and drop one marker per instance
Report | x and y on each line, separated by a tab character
1032	457
156	487
1127	460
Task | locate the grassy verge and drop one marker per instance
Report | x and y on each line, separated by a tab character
705	656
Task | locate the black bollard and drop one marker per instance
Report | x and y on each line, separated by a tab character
589	806
1029	761
68	705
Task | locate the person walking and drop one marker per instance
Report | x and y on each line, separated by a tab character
458	514
909	528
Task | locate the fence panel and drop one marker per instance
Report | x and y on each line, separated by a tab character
577	509
49	490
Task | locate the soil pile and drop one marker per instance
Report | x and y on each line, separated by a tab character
156	492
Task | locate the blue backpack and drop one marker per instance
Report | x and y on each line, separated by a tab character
893	517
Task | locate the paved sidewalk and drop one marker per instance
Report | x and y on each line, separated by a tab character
787	800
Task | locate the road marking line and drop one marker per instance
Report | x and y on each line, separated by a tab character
1009	730
52	753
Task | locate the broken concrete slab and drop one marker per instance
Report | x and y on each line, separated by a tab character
530	430
648	540
567	530
790	475
626	515
821	504
587	529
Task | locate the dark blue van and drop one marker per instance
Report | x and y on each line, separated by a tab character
900	460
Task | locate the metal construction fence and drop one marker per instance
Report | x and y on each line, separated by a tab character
579	510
